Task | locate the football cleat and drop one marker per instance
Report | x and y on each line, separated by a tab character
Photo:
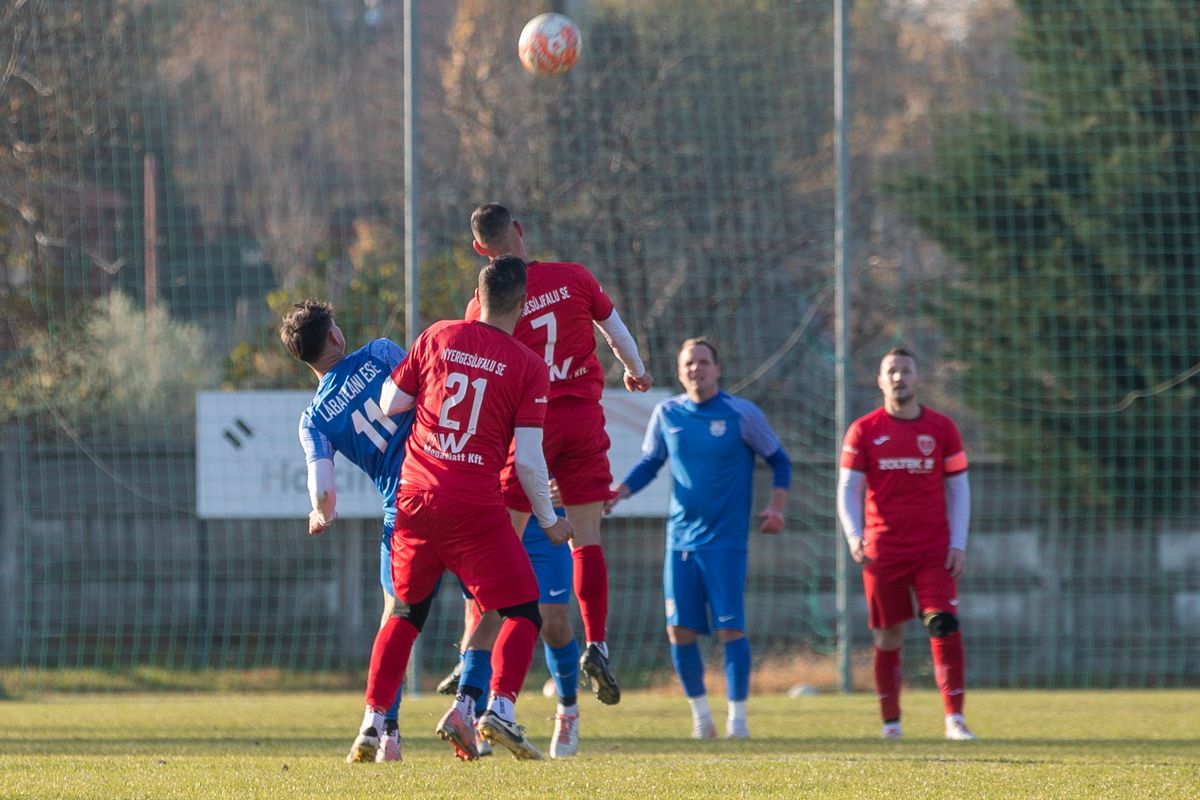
389	747
449	684
704	728
957	730
455	729
737	730
482	745
365	746
891	730
594	665
565	741
508	735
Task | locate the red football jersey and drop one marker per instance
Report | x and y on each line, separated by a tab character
906	462
474	385
562	300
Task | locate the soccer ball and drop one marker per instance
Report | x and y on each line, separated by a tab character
549	44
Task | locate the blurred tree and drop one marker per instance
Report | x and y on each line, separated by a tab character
113	372
370	304
1076	232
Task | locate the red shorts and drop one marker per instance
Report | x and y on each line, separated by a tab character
890	586
474	541
576	447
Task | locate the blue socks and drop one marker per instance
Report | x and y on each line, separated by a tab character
477	672
563	663
689	666
737	668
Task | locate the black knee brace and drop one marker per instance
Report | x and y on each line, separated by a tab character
940	624
527	610
416	614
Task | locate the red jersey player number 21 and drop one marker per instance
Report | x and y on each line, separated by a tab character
474	384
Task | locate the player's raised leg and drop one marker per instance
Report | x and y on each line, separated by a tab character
591	588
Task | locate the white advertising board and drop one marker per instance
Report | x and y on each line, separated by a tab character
249	464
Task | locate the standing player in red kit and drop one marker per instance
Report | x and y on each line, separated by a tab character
913	537
476	389
564	304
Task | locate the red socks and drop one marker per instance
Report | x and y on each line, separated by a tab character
512	654
591	589
949	669
389	661
888	676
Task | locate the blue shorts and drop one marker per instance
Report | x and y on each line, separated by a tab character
385	553
552	565
697	584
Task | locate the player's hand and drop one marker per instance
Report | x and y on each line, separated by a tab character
858	552
555	497
956	562
618	494
772	521
639	384
315	526
561	531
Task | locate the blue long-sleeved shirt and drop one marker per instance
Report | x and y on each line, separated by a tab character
711	448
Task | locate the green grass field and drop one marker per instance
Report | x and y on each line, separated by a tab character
1108	744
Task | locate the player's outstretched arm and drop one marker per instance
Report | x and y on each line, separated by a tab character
394	400
636	379
619	493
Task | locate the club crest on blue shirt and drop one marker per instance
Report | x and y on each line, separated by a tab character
717	427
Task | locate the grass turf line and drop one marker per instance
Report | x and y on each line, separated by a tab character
1072	744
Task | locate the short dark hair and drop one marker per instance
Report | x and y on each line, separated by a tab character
305	329
900	351
700	340
490	223
502	284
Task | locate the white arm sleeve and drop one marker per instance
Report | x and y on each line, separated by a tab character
958	509
622	344
393	401
850	488
321	492
531	471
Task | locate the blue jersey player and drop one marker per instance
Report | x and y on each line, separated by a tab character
344	417
710	439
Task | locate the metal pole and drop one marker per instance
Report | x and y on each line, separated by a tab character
412	263
150	231
841	80
11	445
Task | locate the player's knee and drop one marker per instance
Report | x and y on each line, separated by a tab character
527	610
416	614
940	623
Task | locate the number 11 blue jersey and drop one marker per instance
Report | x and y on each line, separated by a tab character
345	417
